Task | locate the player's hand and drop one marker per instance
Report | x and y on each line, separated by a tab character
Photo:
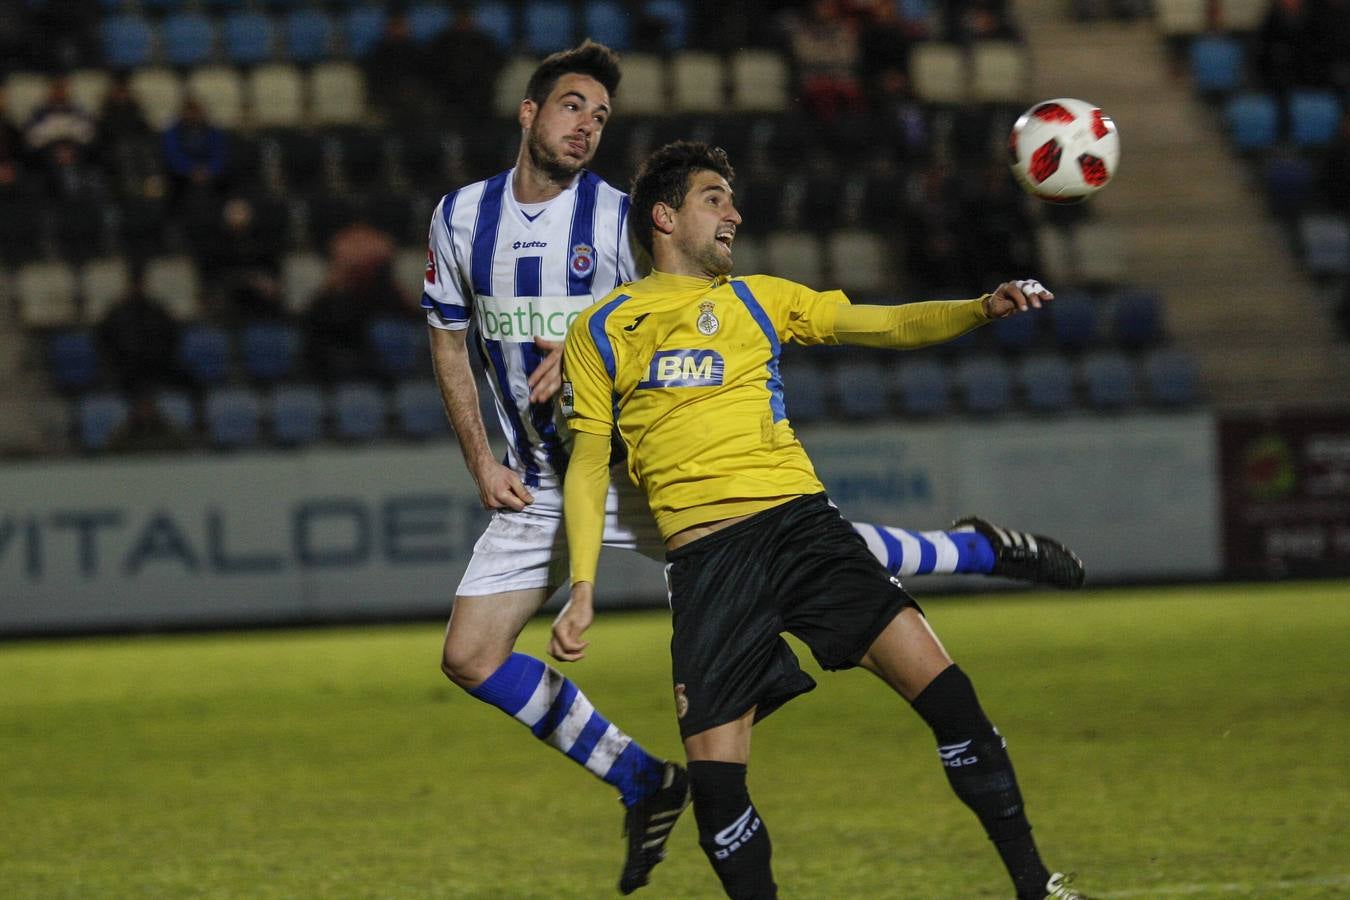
501	488
566	644
546	379
1013	297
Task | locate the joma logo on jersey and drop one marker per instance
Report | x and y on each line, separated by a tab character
684	368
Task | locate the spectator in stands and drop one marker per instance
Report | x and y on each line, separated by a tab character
72	178
996	227
978	20
16	38
125	141
196	154
899	120
57	123
139	338
825	52
360	288
1333	30
462	64
884	46
397	74
12	148
146	430
65	34
1287	47
242	266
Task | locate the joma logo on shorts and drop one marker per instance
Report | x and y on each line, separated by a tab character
684	368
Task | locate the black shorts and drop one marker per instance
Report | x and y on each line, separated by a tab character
799	568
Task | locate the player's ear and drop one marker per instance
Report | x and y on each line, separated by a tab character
663	218
525	115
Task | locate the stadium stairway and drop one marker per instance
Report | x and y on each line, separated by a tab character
1194	223
27	405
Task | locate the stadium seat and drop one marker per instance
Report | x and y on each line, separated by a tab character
498	22
297	414
187	39
805	389
232	416
1171	378
276	95
1017	332
173	280
221	92
176	407
1290	179
337	93
644	84
607	22
674	14
1101	252
103	281
24	92
1046	381
398	345
127	41
362	28
938	72
547	25
1216	64
1136	318
46	294
358	411
97	418
1243	16
795	255
859	261
999	72
984	384
923	387
159	93
73	360
302	275
204	354
1073	319
759	81
418	410
860	389
249	38
1314	118
1326	244
426	20
309	35
1179	18
510	87
1108	379
1253	121
698	81
269	350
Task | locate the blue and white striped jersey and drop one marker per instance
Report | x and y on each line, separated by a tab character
518	278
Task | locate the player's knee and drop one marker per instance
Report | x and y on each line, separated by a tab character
467	667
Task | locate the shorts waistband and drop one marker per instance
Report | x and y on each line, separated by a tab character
733	531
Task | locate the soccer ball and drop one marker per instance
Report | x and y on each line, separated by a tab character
1064	151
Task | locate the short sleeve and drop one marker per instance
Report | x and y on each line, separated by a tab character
587	395
447	304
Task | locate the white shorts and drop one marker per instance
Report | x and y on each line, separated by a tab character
528	549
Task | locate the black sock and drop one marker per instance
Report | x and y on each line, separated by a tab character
975	758
730	830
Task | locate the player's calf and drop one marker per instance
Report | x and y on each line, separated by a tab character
730	830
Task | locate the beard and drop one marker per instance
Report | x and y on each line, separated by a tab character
553	166
709	257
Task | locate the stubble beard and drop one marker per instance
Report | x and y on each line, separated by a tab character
552	166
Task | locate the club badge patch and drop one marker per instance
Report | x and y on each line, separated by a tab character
565	397
431	266
583	260
681	702
707	322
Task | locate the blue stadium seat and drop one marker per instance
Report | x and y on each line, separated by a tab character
1109	380
1073	319
675	15
297	414
1314	117
1047	382
362	28
1216	63
426	20
248	38
309	35
1289	180
177	408
358	411
97	418
1136	318
187	39
923	388
204	353
127	41
547	26
1253	121
418	409
860	386
269	350
397	344
73	360
232	417
608	23
498	22
1326	244
984	384
805	390
1017	332
1171	378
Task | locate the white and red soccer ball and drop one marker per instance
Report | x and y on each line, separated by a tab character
1064	151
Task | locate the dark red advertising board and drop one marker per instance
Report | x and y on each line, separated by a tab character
1286	495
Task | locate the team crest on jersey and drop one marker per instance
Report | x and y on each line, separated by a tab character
583	260
707	322
681	702
566	397
431	266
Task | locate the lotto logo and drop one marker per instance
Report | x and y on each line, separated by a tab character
684	368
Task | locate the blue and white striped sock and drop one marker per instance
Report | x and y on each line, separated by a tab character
559	714
907	553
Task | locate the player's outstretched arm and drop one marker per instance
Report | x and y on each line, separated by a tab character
1014	297
915	325
584	492
498	486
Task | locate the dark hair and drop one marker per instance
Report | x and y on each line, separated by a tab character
664	176
587	58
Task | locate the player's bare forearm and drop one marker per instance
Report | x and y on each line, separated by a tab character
546	379
566	643
498	486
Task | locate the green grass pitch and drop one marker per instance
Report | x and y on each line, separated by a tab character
1170	742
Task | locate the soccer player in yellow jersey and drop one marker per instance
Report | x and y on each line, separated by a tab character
684	364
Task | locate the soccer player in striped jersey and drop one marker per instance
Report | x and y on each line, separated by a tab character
520	255
754	547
